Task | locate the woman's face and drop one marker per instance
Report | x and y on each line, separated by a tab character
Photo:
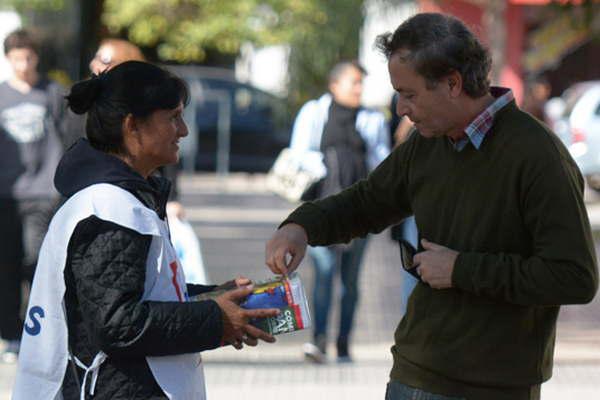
158	138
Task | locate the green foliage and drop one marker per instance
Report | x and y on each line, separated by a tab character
320	32
331	37
183	30
34	5
582	14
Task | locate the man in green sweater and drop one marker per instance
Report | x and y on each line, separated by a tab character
499	206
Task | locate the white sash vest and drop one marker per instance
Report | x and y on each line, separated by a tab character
44	347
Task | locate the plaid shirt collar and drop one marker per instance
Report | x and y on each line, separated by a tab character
477	130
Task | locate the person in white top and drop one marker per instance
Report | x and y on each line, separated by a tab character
352	140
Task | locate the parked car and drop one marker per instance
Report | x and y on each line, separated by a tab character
259	123
578	126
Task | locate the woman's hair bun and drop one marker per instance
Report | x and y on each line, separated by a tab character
84	94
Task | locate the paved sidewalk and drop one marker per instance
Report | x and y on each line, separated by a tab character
235	217
279	369
257	376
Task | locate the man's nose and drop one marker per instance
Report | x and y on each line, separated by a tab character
401	108
183	130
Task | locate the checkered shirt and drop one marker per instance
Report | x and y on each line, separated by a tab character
477	130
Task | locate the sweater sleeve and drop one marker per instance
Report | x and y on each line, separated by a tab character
195	289
368	206
108	263
562	268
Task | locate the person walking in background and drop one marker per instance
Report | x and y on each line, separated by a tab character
32	110
113	52
537	93
502	247
353	140
400	130
401	127
110	53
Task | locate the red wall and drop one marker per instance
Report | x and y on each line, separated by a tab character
471	14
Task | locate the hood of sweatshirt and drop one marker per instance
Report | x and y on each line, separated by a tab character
82	165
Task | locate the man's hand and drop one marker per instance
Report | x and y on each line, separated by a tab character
289	239
436	264
236	326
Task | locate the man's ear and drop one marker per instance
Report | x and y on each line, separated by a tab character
454	82
332	88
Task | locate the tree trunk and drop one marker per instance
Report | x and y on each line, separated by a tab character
495	26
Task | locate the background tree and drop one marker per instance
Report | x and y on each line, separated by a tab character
326	40
33	5
185	30
319	32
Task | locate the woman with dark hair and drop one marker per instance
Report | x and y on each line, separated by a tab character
109	313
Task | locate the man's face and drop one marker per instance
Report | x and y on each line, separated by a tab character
23	61
347	89
429	109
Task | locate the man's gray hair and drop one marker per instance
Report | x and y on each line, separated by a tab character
436	45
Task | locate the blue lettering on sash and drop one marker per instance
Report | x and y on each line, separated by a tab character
34	313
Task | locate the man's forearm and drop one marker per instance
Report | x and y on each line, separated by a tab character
354	212
525	281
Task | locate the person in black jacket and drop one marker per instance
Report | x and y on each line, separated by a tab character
32	111
134	123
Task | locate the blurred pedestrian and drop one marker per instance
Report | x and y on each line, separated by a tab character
109	314
113	52
537	93
400	130
353	140
31	113
502	246
400	127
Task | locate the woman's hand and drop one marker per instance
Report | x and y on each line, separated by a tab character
238	282
236	326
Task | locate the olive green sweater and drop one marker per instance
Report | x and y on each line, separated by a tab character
514	211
